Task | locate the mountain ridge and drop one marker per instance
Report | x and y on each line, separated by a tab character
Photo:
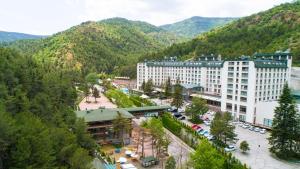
6	36
196	25
275	29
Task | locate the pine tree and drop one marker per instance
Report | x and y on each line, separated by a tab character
177	96
86	91
95	94
121	126
168	87
198	107
148	87
244	146
284	128
143	86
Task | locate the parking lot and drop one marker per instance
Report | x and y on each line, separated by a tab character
258	157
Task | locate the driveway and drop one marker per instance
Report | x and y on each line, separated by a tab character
258	157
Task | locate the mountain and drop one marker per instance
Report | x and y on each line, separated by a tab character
12	36
111	45
196	25
268	31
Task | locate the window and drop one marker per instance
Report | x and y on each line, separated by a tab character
229	97
243	109
242	117
229	106
243	99
267	122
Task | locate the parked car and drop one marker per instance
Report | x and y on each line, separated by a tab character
195	127
206	134
230	148
207	123
245	126
181	117
177	115
199	129
203	132
210	137
251	128
263	131
241	124
257	129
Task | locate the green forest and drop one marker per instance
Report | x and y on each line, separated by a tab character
111	46
38	126
268	31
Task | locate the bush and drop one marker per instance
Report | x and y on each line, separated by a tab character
171	124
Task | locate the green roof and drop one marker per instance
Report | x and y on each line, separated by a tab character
147	108
187	64
102	114
270	64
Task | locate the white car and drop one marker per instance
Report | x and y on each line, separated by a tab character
245	126
210	137
230	148
207	123
257	129
241	124
263	131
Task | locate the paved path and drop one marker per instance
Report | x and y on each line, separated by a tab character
103	101
259	156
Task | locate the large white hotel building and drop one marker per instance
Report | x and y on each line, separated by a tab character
247	87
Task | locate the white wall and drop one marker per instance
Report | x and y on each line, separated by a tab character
265	110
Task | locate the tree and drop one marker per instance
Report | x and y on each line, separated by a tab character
217	126
168	87
159	137
121	126
91	79
285	131
221	127
229	134
244	146
96	94
198	107
206	156
170	163
143	86
86	91
177	96
148	87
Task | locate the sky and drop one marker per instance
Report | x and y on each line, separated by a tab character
45	17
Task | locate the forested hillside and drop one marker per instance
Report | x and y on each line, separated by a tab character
12	36
112	45
196	25
268	31
38	128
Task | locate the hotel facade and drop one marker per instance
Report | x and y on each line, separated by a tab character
247	87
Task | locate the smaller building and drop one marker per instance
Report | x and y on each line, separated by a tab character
100	122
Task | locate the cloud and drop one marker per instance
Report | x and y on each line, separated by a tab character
167	11
47	17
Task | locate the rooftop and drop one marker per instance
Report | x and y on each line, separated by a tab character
102	114
146	108
268	60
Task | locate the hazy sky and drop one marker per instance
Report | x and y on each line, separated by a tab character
50	16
